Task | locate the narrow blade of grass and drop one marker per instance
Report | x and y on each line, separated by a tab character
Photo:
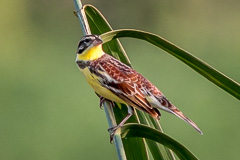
138	130
195	63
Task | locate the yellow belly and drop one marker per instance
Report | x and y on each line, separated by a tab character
102	91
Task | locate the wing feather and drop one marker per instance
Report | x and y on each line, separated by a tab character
124	82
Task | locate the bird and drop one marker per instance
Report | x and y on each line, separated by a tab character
115	81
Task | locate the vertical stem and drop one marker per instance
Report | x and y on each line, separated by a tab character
82	17
107	107
117	137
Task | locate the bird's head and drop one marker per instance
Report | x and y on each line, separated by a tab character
89	48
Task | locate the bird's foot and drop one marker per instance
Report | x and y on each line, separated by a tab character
102	99
112	132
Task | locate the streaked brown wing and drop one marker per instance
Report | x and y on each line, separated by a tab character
135	99
124	82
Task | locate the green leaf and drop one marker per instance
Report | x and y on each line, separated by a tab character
195	63
137	130
158	151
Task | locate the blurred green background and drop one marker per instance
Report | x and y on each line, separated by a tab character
47	109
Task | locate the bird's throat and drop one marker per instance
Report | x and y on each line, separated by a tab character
90	54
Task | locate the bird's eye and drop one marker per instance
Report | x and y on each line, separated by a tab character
87	40
84	43
80	49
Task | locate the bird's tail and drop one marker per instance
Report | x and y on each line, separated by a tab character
179	114
161	102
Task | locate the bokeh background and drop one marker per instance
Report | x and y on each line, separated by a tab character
47	110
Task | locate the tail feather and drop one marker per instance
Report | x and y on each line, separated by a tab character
161	102
179	114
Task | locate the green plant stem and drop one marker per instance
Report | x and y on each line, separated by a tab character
82	17
112	123
107	107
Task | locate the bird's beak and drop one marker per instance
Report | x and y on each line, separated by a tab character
97	42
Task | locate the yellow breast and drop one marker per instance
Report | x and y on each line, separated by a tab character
91	53
92	79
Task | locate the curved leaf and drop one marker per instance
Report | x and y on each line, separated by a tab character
138	130
198	65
